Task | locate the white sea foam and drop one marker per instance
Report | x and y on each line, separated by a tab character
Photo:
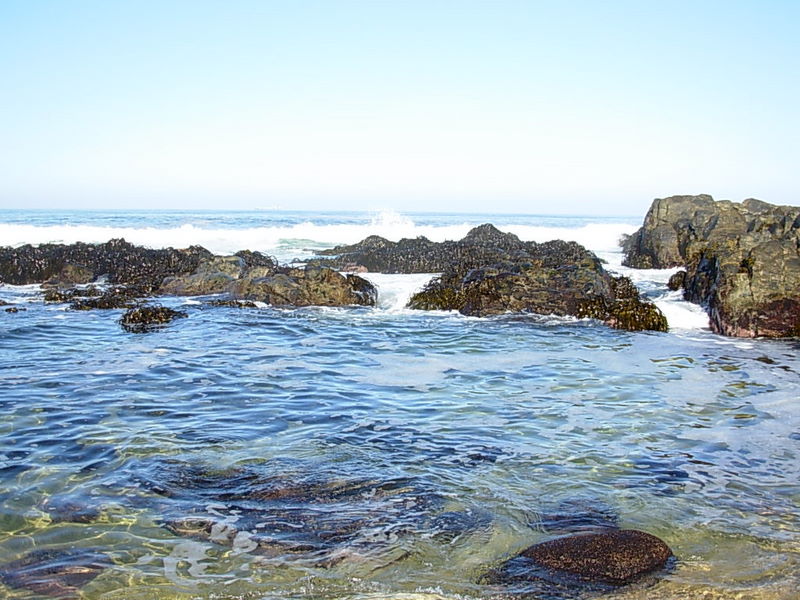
394	291
681	314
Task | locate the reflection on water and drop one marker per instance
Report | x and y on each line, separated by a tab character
364	454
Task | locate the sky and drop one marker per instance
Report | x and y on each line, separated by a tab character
562	107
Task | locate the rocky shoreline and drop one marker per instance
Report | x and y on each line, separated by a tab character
486	273
741	261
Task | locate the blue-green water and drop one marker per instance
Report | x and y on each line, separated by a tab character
382	453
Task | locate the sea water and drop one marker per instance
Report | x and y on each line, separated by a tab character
457	436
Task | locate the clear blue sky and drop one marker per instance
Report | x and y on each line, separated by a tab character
561	107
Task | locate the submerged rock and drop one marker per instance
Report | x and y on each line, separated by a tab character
314	515
742	260
54	573
145	318
593	561
579	515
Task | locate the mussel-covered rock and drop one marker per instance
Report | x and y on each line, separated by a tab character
111	298
118	260
553	278
54	573
602	560
62	295
143	318
232	303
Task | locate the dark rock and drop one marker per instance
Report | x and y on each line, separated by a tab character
69	509
557	277
119	260
13	309
602	560
111	298
257	259
677	281
742	260
212	276
482	246
232	303
70	275
61	295
145	318
54	573
312	286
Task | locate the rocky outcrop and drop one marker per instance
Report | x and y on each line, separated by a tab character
312	286
137	272
482	246
742	260
215	275
117	260
607	559
497	273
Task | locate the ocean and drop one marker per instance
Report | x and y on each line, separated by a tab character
379	453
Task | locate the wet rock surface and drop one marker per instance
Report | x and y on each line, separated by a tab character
496	273
311	286
145	318
118	260
135	273
54	573
587	562
742	260
483	245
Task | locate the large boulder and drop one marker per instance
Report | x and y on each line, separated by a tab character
212	276
742	260
312	286
605	559
553	278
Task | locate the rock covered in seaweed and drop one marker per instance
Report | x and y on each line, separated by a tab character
216	274
557	277
742	260
482	246
118	260
144	318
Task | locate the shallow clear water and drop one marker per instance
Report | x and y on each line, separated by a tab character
691	437
382	453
